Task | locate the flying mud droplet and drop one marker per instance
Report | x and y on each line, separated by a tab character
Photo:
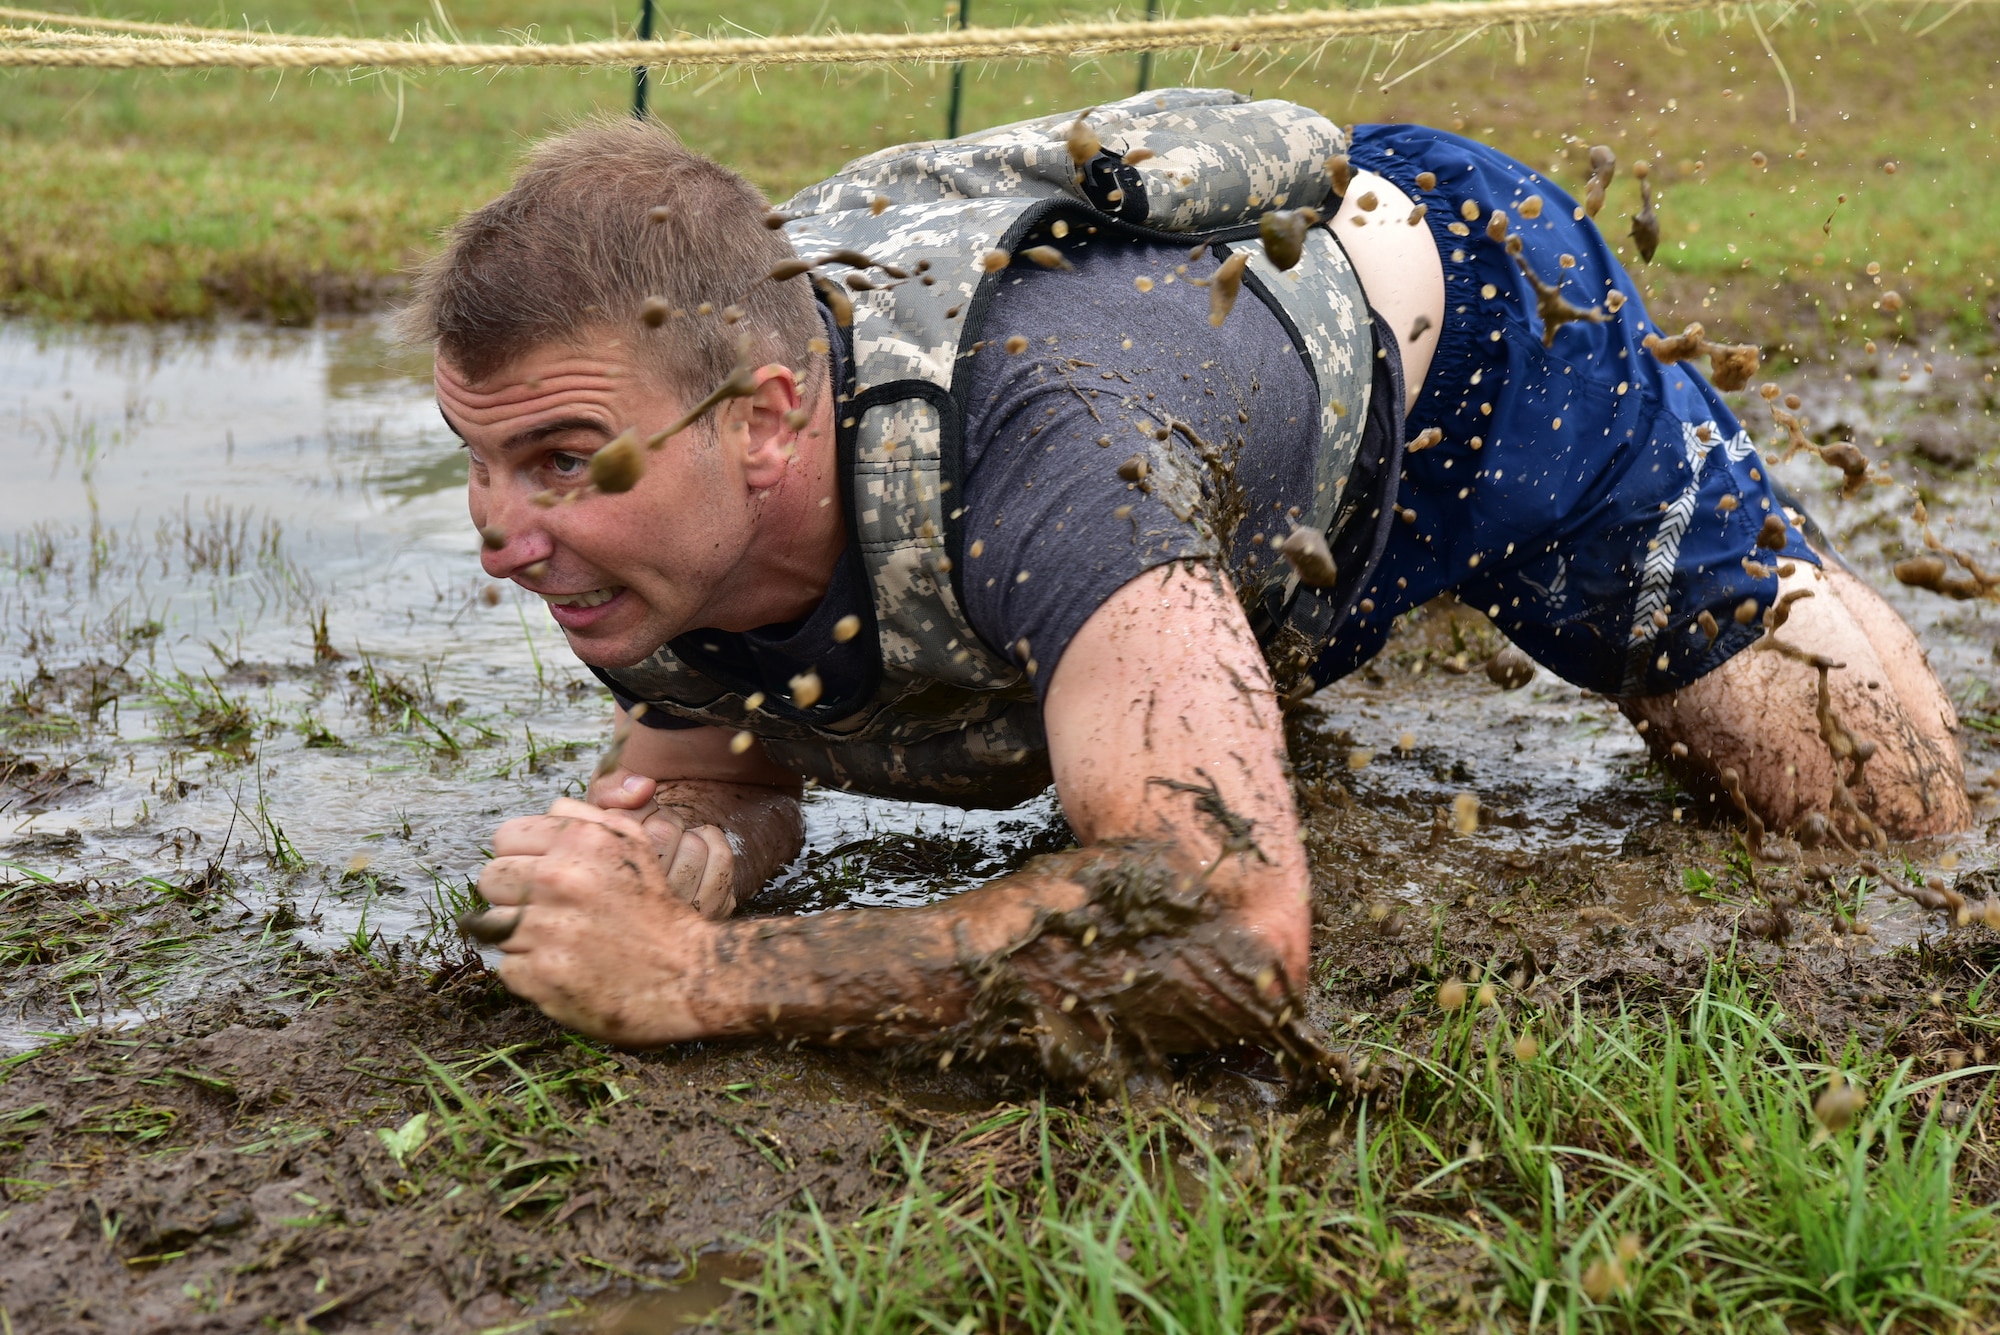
1614	301
1746	611
1418	214
1496	226
789	270
1427	181
797	418
1451	995
1526	1048
806	689
1139	155
1015	344
1731	365
1082	141
1708	626
846	628
621	733
653	312
659	213
1531	207
1134	469
1368	203
1283	234
1602	1278
1838	1104
1510	669
740	383
493	537
490	595
1048	257
732	314
488	925
1465	813
877	204
1426	438
1645	223
1418	328
1773	535
1406	743
1487	994
772	220
1224	287
1339	173
1306	549
1892	301
1603	166
1554	309
618	466
1469	210
741	742
993	261
836	300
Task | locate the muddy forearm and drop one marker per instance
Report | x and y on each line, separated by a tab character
1080	959
765	825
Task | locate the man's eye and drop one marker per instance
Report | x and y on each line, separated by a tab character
568	463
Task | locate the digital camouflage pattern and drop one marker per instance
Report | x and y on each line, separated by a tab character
951	719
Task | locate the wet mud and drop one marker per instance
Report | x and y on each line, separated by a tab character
252	736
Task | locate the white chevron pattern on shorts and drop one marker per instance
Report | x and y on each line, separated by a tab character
1657	572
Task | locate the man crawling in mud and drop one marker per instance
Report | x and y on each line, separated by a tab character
969	473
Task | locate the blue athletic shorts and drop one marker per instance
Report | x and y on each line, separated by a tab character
1579	489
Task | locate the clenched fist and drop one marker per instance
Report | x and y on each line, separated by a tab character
605	942
699	862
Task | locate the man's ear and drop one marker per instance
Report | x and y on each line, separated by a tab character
770	440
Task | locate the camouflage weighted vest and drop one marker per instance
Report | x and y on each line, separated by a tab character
952	720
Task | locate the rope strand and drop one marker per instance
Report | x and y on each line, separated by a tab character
216	48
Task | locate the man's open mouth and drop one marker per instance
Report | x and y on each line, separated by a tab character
588	598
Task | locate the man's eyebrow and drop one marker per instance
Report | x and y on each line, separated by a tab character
534	434
560	427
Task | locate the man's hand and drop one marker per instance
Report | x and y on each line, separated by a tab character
699	862
604	944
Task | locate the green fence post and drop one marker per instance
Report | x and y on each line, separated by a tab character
957	77
1146	57
639	74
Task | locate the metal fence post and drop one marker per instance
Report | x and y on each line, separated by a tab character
639	74
1146	57
957	77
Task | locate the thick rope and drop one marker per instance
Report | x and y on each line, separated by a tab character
247	51
186	32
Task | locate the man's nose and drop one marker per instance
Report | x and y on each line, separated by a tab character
513	536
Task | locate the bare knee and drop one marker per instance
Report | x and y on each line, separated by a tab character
1762	715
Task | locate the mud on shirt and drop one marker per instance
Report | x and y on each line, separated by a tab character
1116	350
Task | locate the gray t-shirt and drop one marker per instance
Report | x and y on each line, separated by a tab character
1118	348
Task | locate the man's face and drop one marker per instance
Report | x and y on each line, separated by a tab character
622	574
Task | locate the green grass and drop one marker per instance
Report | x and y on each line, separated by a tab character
1651	1168
155	196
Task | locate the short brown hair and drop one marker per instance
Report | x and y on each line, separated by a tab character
601	218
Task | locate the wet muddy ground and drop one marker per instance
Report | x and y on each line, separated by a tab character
259	710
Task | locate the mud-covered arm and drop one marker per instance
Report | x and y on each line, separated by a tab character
723	822
1181	921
